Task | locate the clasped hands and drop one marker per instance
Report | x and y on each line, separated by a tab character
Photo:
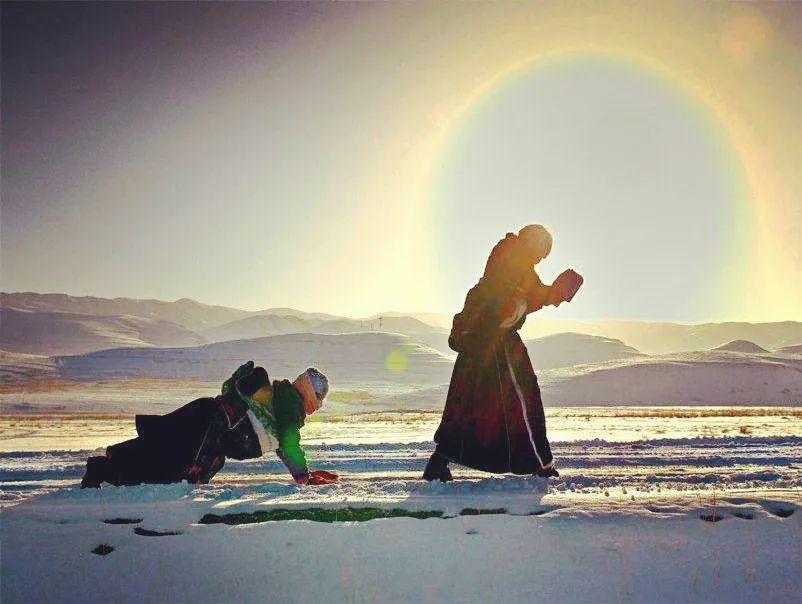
519	303
564	287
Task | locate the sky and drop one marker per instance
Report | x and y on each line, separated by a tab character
360	158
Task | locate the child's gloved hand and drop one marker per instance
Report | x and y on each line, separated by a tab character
242	370
325	477
318	477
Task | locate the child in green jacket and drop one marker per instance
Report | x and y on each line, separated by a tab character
276	412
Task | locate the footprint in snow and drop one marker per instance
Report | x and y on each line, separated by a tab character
781	512
545	509
103	549
148	533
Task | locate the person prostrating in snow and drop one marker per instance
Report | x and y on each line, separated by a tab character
493	418
251	418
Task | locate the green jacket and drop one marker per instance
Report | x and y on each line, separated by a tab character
288	410
282	421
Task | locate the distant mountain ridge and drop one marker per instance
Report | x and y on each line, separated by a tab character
186	312
188	323
270	325
664	338
54	333
398	372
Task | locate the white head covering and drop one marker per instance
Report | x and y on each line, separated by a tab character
536	238
313	387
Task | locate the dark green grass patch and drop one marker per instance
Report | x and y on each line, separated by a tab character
317	515
478	512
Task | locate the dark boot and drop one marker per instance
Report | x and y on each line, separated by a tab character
97	471
437	469
549	472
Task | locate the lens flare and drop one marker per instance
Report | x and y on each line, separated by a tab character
396	361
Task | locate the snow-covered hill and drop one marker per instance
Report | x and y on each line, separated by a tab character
367	364
742	346
356	358
695	378
19	369
698	378
568	349
258	326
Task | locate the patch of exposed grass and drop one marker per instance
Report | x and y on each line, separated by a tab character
335	515
317	515
478	512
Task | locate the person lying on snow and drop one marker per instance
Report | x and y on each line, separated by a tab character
251	417
493	418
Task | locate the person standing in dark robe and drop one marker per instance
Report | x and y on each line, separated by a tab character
493	418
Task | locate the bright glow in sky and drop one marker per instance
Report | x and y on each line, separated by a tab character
358	158
618	166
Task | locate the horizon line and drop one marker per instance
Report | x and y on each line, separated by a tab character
386	313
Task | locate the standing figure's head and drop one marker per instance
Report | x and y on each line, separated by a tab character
537	241
313	387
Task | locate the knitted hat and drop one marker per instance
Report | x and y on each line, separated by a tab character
313	387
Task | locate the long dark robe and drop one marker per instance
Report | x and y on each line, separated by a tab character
493	418
193	442
190	443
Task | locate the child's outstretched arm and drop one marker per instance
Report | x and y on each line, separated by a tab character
294	458
291	453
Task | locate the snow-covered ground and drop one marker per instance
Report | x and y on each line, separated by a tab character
629	519
548	546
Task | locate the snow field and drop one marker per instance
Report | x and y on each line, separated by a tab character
547	547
